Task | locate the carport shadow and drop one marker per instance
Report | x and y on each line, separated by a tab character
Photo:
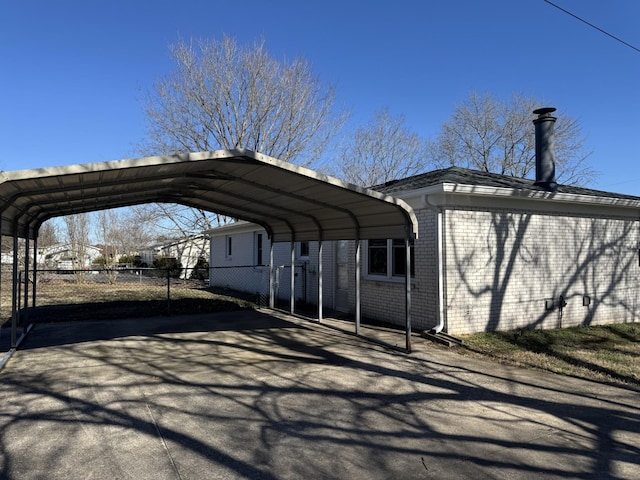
65	333
369	412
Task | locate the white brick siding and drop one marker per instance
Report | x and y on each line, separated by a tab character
384	300
503	267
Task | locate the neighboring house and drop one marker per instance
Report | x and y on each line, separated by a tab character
62	257
493	253
239	260
187	251
147	254
58	257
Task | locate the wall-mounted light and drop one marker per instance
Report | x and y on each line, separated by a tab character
586	300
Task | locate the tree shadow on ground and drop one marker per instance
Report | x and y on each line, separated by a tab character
281	398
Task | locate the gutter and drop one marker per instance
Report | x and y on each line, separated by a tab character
522	194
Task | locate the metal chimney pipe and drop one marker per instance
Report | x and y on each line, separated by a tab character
545	156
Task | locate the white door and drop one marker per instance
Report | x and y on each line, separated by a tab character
342	276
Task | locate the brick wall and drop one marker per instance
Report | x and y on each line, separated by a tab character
504	269
384	300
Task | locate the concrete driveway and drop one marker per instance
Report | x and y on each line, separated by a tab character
261	396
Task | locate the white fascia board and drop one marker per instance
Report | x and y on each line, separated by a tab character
237	227
445	194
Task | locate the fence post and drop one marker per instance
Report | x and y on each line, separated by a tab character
168	293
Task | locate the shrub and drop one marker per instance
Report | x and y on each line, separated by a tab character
167	263
127	259
200	270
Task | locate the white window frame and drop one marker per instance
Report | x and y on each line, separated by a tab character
388	276
258	249
228	247
302	255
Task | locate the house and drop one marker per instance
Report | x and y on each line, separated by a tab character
60	256
187	251
239	260
493	253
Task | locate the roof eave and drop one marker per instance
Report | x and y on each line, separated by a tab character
437	195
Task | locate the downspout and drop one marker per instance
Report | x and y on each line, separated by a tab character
440	321
407	298
440	243
440	246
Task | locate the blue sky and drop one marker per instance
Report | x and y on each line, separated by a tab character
73	72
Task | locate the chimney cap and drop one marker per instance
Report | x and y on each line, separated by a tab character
544	110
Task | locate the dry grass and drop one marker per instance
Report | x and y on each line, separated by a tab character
607	353
69	300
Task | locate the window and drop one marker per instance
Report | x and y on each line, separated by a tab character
386	258
259	249
378	260
399	263
304	249
228	246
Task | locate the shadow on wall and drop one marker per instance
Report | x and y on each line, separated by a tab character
522	270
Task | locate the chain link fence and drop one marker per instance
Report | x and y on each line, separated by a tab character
113	293
100	294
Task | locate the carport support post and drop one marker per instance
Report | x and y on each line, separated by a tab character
1	310
407	249
320	279
272	282
358	284
35	268
168	292
292	299
14	291
25	320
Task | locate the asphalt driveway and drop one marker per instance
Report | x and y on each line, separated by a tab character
261	396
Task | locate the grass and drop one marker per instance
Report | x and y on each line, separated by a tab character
605	353
67	300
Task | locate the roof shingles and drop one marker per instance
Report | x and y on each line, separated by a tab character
463	176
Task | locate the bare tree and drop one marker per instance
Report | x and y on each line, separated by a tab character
226	96
48	234
497	136
382	150
134	231
106	222
123	231
171	220
77	232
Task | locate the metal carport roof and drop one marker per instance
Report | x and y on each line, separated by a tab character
290	202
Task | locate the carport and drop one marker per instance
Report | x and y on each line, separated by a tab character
292	203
